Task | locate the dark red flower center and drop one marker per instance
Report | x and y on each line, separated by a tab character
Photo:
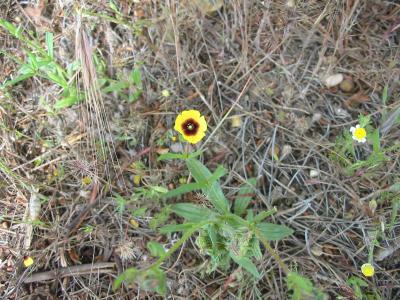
190	127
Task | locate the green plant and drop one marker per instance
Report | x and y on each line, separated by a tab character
123	85
303	288
40	62
359	289
345	149
224	236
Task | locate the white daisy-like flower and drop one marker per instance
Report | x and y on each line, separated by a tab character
359	134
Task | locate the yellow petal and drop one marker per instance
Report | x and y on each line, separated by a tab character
28	261
194	139
137	179
368	270
134	223
203	124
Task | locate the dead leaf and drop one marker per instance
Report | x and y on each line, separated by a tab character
73	255
356	99
207	6
35	12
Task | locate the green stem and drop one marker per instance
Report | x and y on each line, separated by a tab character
271	251
188	233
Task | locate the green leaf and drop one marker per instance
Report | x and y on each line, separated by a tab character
154	279
364	120
135	95
10	27
116	86
168	155
183	156
50	44
192	212
219	172
156	249
214	192
376	144
243	199
357	283
176	227
136	77
183	189
67	101
274	232
128	276
255	248
302	287
18	79
264	214
246	264
56	78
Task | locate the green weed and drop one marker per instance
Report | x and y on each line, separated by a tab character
41	63
225	236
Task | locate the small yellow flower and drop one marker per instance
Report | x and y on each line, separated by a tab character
368	270
192	125
28	261
359	134
86	180
137	179
134	223
165	93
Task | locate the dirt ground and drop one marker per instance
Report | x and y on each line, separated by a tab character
262	73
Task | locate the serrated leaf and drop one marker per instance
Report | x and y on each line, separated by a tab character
192	212
213	192
243	199
246	264
274	232
156	249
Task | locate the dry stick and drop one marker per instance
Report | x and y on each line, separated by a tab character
271	251
227	114
101	267
75	223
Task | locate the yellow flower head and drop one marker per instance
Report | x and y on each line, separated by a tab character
28	261
368	270
192	125
359	134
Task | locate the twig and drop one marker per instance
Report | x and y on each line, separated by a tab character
102	267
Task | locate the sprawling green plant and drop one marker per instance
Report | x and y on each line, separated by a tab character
345	149
225	234
42	63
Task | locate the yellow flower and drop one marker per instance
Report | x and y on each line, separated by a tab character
359	134
368	270
137	179
191	125
165	93
28	261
